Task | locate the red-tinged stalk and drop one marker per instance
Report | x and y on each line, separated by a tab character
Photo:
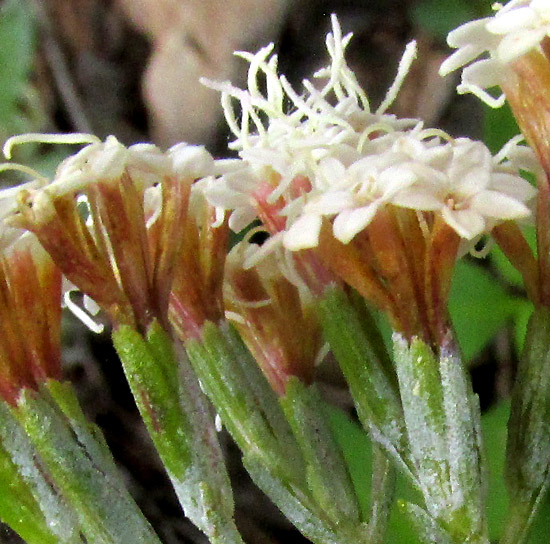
514	245
196	295
543	242
353	264
414	244
394	270
440	259
527	90
30	320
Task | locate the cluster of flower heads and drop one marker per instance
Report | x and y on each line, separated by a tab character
516	28
113	218
323	155
310	163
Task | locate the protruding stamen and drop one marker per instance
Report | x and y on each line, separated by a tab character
81	314
403	69
72	138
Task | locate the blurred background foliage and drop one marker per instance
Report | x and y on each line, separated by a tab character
130	67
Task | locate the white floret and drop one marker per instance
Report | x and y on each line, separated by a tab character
486	47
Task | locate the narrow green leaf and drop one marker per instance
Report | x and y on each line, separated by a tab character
293	504
372	387
328	478
37	492
155	390
242	396
180	422
19	508
105	510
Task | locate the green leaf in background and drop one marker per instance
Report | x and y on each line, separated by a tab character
479	307
494	424
17	34
499	125
439	17
357	450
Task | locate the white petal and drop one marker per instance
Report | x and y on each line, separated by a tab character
218	194
460	58
394	179
470	167
466	223
332	170
512	21
350	222
109	163
191	160
243	181
330	203
303	233
484	73
470	32
417	198
513	186
494	204
515	45
241	218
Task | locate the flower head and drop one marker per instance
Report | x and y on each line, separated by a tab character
282	135
30	307
196	295
274	316
112	220
517	28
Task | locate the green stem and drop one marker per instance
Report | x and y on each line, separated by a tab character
180	421
355	342
528	446
382	495
81	467
517	523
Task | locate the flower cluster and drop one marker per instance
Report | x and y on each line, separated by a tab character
516	28
113	219
343	162
373	197
348	192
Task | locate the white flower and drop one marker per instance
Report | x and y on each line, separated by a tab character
332	118
459	180
469	189
515	29
11	236
108	161
352	194
192	161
